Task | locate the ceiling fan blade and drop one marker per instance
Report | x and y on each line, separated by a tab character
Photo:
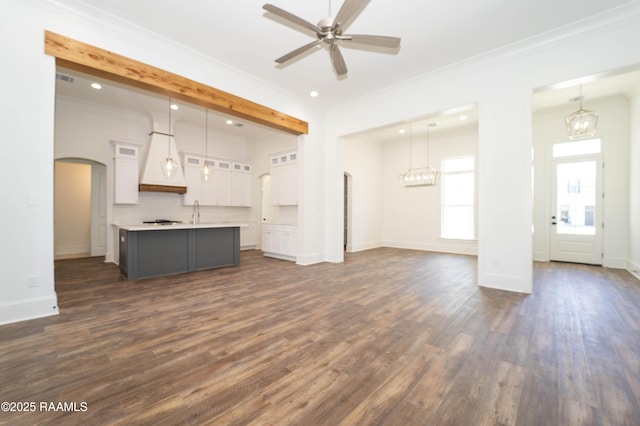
297	52
348	12
372	40
338	60
291	18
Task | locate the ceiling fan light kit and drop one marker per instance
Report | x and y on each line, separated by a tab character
329	32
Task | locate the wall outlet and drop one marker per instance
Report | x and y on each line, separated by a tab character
33	281
33	200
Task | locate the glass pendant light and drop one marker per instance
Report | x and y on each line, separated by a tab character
581	123
423	176
169	165
206	170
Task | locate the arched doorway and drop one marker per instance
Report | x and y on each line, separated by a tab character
80	211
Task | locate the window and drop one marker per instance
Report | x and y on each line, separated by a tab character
583	147
458	198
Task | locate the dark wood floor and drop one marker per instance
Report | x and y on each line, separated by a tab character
394	337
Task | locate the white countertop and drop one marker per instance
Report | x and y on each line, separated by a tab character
157	227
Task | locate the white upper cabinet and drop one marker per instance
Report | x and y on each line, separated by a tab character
218	190
230	183
191	165
126	172
241	184
284	179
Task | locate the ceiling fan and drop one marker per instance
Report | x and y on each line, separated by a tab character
330	31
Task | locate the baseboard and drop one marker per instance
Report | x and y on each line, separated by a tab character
64	256
470	249
616	263
280	256
505	282
633	268
26	309
309	259
72	250
352	248
540	256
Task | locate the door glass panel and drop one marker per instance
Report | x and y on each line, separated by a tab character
576	198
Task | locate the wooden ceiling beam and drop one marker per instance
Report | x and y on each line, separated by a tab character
79	56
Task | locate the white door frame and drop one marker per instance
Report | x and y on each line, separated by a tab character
571	247
98	209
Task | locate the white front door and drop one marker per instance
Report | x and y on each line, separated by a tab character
576	210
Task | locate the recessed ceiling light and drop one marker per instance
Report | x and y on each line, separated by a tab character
314	94
96	86
401	131
229	122
175	107
462	117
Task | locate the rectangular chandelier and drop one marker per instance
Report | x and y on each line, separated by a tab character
425	176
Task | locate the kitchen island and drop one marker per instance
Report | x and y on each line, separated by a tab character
151	250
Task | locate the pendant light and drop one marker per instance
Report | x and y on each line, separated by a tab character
407	176
422	176
581	123
206	170
169	165
431	176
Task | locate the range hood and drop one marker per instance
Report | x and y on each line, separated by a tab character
161	144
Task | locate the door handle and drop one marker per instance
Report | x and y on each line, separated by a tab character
554	223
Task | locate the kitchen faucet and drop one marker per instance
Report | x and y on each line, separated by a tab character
195	215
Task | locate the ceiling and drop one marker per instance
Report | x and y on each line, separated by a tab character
76	86
434	34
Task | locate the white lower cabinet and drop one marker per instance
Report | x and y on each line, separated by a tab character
280	241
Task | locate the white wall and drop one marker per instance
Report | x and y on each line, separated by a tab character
27	186
260	152
412	216
27	288
501	84
85	130
72	212
613	128
634	184
364	162
386	214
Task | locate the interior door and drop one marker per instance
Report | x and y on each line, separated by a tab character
576	210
